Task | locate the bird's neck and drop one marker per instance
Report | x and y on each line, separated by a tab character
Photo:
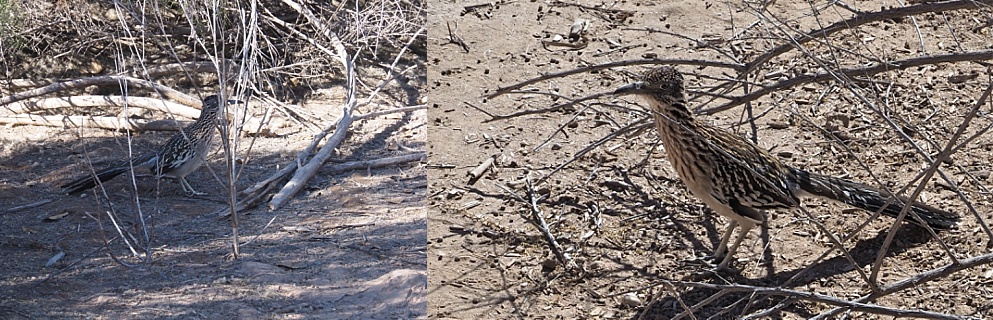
674	114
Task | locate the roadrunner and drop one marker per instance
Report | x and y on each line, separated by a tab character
182	154
738	180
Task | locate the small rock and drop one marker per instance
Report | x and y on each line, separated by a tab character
630	300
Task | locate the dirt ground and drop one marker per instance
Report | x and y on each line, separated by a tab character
621	212
350	245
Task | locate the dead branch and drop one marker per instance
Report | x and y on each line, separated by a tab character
308	170
103	101
378	163
110	123
861	19
389	111
917	280
102	81
851	73
695	62
149	73
476	173
28	206
815	297
538	219
181	67
254	193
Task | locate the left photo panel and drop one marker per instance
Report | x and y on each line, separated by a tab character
219	160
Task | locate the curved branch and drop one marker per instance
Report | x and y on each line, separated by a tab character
110	123
153	104
101	80
918	279
695	62
867	71
863	19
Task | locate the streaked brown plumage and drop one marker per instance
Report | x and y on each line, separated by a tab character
179	156
738	180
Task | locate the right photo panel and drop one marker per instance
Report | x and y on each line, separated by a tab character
709	160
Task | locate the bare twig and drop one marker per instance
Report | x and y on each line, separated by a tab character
149	73
378	163
867	71
104	101
28	206
255	193
476	173
110	123
864	18
308	170
538	220
102	80
815	297
453	37
695	62
916	280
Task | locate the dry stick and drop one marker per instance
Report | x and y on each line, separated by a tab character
571	102
689	311
841	247
181	67
867	18
945	152
634	126
378	163
878	68
255	192
102	80
153	72
258	190
476	173
307	171
819	298
903	135
389	73
916	280
111	123
696	62
388	111
539	222
103	101
28	206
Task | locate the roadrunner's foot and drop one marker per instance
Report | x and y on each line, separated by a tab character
189	189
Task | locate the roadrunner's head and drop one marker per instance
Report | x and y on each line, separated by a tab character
663	84
212	104
662	88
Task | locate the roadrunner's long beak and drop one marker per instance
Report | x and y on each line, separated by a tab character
631	88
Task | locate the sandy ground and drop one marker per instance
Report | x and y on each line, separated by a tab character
350	245
620	211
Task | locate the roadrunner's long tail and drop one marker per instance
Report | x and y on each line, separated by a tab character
871	199
87	182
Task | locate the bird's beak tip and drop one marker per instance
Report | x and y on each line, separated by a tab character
628	88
